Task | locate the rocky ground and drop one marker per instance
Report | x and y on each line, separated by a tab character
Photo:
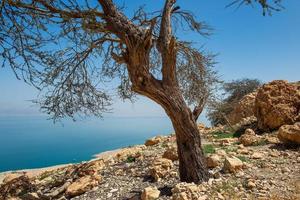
249	167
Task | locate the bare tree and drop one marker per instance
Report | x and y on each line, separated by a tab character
70	49
220	106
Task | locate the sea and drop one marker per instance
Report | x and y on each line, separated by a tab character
28	142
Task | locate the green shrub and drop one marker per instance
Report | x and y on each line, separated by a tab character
130	159
243	158
222	135
208	148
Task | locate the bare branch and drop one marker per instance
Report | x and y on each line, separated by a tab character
268	6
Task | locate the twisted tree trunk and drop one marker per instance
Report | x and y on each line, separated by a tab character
165	92
192	163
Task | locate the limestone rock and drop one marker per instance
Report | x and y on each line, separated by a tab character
124	153
153	141
248	138
171	153
11	176
232	164
257	155
160	168
277	103
150	193
16	187
290	133
90	168
187	191
213	161
82	185
243	109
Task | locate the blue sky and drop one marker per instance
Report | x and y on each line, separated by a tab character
249	45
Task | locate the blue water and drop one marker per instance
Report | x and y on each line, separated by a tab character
33	142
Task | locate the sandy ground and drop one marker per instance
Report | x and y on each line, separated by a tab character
34	172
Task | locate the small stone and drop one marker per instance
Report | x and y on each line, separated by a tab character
220	196
153	141
251	185
171	154
232	164
160	168
213	161
257	155
150	193
221	152
274	154
82	185
248	138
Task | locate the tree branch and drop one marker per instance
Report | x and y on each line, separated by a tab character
199	108
166	45
119	24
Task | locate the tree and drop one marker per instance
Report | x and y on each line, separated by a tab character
57	46
234	91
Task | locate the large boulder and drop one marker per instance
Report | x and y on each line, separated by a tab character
277	103
290	134
243	109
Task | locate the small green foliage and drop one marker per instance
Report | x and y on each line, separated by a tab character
164	145
261	143
243	158
222	135
45	175
208	148
130	159
228	149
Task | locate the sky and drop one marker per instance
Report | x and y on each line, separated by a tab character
247	43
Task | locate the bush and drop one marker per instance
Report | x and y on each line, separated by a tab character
234	91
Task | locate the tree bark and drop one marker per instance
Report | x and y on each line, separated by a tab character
192	162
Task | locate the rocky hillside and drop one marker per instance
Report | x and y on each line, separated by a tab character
243	164
249	167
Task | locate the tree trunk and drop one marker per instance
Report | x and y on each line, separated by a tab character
192	163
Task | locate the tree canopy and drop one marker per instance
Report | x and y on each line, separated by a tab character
66	49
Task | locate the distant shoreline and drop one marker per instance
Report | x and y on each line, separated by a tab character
36	171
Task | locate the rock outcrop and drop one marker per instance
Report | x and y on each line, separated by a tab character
290	134
243	109
17	187
277	103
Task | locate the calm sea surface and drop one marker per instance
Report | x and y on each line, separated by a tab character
33	142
